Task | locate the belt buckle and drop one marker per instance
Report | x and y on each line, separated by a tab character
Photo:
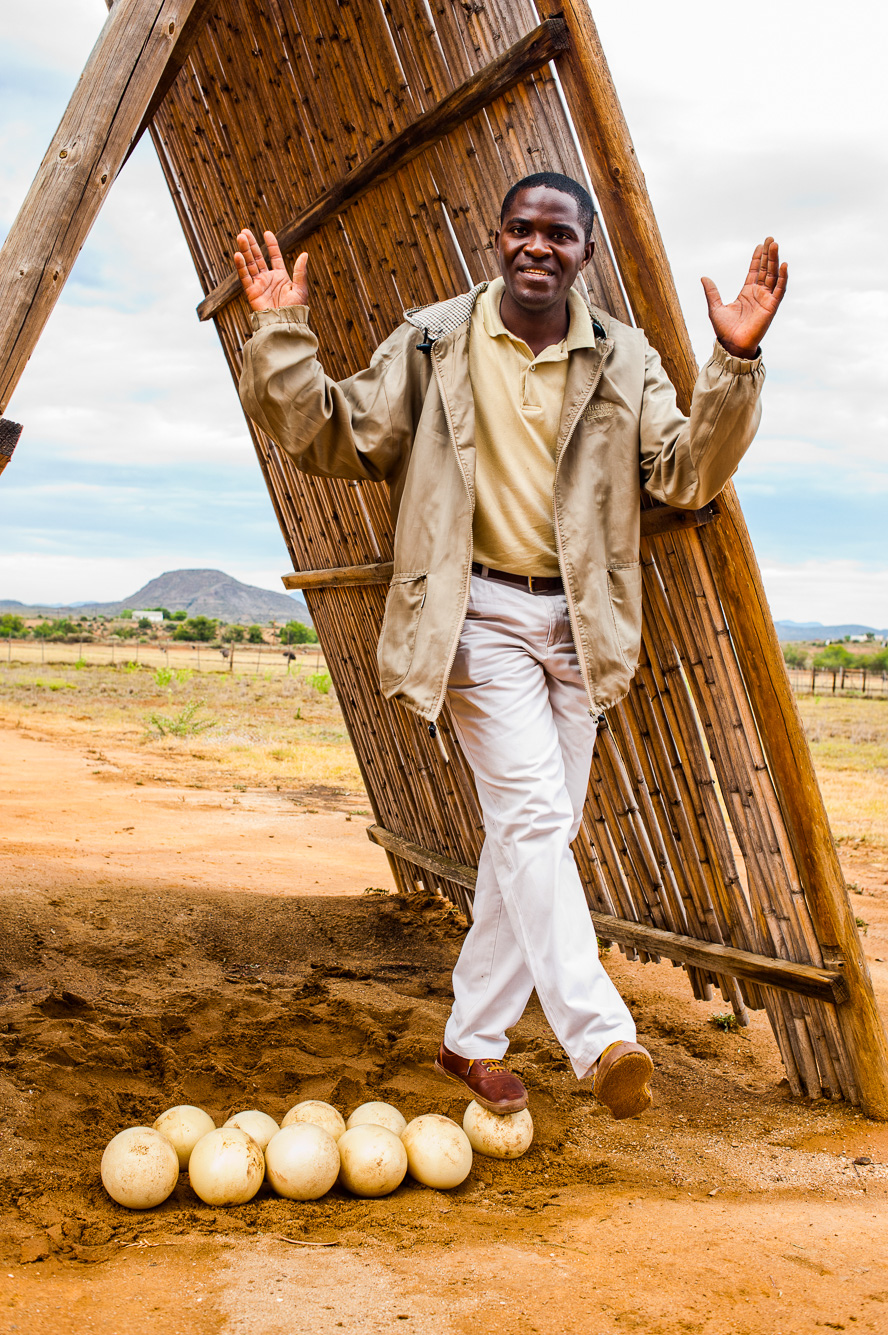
530	588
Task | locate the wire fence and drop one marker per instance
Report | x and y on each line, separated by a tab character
844	681
281	659
240	658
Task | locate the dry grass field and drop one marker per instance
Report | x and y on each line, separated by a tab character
849	740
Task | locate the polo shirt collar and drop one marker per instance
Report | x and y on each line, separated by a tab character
580	333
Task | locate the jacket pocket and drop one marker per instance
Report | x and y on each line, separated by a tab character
624	591
403	608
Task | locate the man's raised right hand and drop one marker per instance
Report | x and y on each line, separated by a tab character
268	289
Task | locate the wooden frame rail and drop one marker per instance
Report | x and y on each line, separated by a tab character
804	979
654	521
521	59
380	572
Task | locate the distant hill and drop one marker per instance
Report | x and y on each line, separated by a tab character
209	593
815	630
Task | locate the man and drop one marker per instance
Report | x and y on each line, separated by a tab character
515	435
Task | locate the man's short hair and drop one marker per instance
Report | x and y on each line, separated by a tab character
555	181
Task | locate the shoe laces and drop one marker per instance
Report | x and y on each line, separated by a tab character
493	1064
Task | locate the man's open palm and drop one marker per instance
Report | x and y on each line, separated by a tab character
267	289
741	326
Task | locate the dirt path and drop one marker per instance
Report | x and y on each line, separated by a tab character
165	943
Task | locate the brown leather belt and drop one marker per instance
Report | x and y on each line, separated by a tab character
529	583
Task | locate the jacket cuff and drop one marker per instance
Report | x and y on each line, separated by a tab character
284	315
724	359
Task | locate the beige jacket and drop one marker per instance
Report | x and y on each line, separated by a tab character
408	419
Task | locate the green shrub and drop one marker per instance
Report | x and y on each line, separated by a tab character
12	627
57	630
202	629
794	656
320	681
833	658
255	636
296	632
185	724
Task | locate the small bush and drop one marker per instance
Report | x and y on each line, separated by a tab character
726	1023
794	656
12	627
255	636
296	632
320	681
163	676
183	725
201	629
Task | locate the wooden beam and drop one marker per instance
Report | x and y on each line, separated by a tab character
134	55
380	572
521	60
9	435
659	519
804	979
654	521
189	32
644	267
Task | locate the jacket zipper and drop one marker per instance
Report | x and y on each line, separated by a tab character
455	644
581	655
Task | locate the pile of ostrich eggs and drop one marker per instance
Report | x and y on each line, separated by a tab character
374	1161
140	1168
256	1124
439	1152
317	1113
302	1162
184	1126
378	1114
499	1136
226	1167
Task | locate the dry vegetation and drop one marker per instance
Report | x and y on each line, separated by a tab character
849	742
280	732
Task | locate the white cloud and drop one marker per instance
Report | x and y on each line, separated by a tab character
831	592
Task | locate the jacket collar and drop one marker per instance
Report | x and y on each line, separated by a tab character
444	317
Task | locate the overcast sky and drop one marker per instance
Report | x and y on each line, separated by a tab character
135	458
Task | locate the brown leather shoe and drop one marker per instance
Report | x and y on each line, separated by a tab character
622	1075
489	1082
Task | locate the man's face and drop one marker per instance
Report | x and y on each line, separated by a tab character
541	248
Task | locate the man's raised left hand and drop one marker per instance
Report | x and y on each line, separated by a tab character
741	326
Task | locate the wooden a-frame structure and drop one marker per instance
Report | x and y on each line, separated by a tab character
380	135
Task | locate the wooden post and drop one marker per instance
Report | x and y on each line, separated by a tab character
139	52
641	257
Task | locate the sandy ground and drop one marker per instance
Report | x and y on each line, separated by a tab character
174	937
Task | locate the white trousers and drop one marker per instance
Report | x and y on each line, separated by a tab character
521	712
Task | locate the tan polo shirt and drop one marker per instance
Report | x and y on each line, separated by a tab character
518	402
